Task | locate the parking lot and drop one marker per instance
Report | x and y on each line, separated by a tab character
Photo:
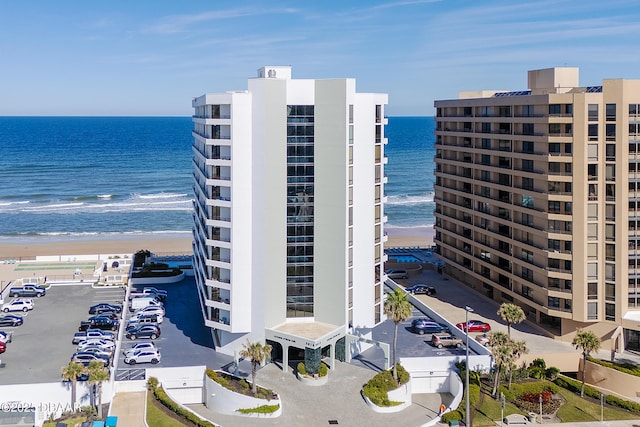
42	345
181	329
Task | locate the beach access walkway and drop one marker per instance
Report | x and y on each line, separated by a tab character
130	408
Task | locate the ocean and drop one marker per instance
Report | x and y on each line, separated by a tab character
90	176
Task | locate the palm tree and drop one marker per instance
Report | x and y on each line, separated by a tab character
98	373
512	314
258	353
71	373
518	348
398	308
588	342
500	347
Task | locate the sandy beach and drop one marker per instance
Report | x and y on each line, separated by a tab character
170	243
26	248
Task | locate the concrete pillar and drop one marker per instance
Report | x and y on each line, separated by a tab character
285	358
332	354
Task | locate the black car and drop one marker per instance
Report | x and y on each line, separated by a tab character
421	289
108	314
427	326
102	307
144	331
11	320
99	322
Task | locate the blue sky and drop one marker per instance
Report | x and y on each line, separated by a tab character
150	58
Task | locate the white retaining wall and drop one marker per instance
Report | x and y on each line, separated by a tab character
184	384
156	280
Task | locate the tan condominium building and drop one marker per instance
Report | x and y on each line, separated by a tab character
538	201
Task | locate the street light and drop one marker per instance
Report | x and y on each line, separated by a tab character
502	404
466	376
540	400
601	407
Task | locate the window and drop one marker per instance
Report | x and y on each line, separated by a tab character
527	255
527	129
554	206
486	144
593	112
554	109
527	165
610	232
610	272
610	131
527	201
527	147
504	145
592	231
611	192
592	152
592	250
486	127
568	208
592	310
554	148
554	302
610	312
610	212
592	172
592	211
592	291
633	109
610	110
610	172
554	167
610	291
593	131
527	183
610	150
554	128
593	191
610	253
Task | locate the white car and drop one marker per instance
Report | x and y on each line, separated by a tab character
151	309
5	337
18	305
143	356
158	317
97	342
144	345
482	339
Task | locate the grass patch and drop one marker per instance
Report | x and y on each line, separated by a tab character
264	409
69	422
577	409
159	416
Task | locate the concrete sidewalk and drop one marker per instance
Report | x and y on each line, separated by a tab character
130	408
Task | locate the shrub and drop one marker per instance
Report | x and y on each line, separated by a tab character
624	404
301	369
535	388
152	383
323	370
452	416
534	398
264	409
627	368
538	363
552	373
163	398
378	386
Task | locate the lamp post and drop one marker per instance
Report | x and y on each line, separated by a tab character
540	400
601	407
502	404
466	376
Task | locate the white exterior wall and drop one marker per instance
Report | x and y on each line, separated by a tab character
259	196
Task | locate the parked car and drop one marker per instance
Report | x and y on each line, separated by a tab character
397	273
92	333
143	356
137	321
18	305
144	331
103	354
28	291
98	322
160	292
3	347
152	309
11	320
421	289
103	306
143	345
109	314
482	339
445	340
145	301
6	337
422	326
86	358
106	345
474	326
157	317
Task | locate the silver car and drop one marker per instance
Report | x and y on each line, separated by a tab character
143	356
94	342
143	345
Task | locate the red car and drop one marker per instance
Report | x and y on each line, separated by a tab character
3	347
474	326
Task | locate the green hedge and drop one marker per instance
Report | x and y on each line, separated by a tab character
459	413
627	368
163	398
378	386
575	385
264	409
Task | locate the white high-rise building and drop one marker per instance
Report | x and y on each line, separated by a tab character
288	223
